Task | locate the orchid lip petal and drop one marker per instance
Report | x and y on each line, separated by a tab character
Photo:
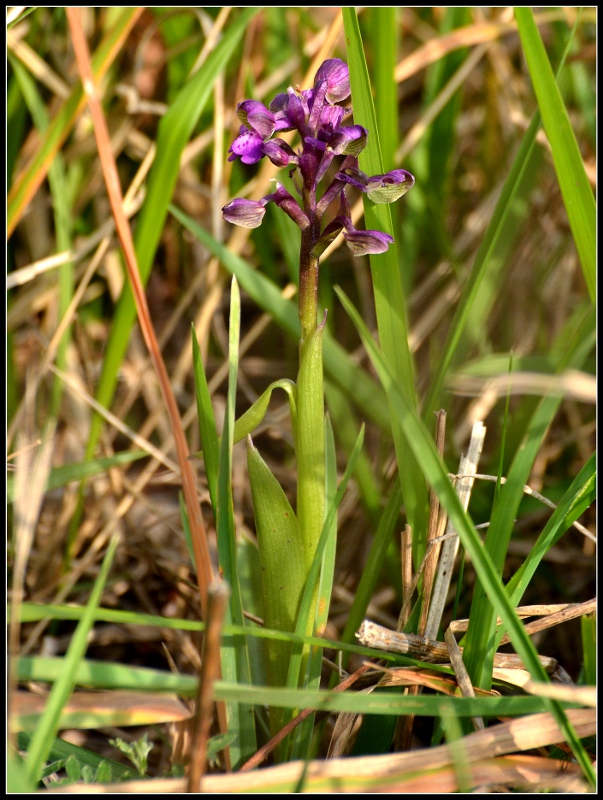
247	145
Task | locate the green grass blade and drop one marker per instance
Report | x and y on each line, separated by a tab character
580	496
437	476
207	424
235	658
390	303
508	215
174	132
386	704
61	476
589	645
480	636
61	691
384	35
62	217
573	181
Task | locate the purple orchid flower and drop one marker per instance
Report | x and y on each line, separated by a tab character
317	116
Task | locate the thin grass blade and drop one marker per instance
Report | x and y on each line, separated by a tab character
573	181
235	658
62	689
437	476
390	303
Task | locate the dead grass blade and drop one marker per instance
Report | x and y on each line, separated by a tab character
417	769
203	564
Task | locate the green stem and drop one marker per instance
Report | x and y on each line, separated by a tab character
310	395
310	444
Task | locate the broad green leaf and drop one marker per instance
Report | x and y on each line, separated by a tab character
282	558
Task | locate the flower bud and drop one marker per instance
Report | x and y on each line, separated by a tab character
348	141
389	187
363	243
256	116
335	72
245	213
280	153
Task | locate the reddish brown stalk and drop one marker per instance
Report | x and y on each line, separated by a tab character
198	535
217	600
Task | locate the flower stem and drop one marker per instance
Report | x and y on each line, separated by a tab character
310	398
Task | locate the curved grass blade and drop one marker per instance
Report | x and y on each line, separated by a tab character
249	421
61	476
435	473
575	188
486	262
45	732
234	655
580	496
